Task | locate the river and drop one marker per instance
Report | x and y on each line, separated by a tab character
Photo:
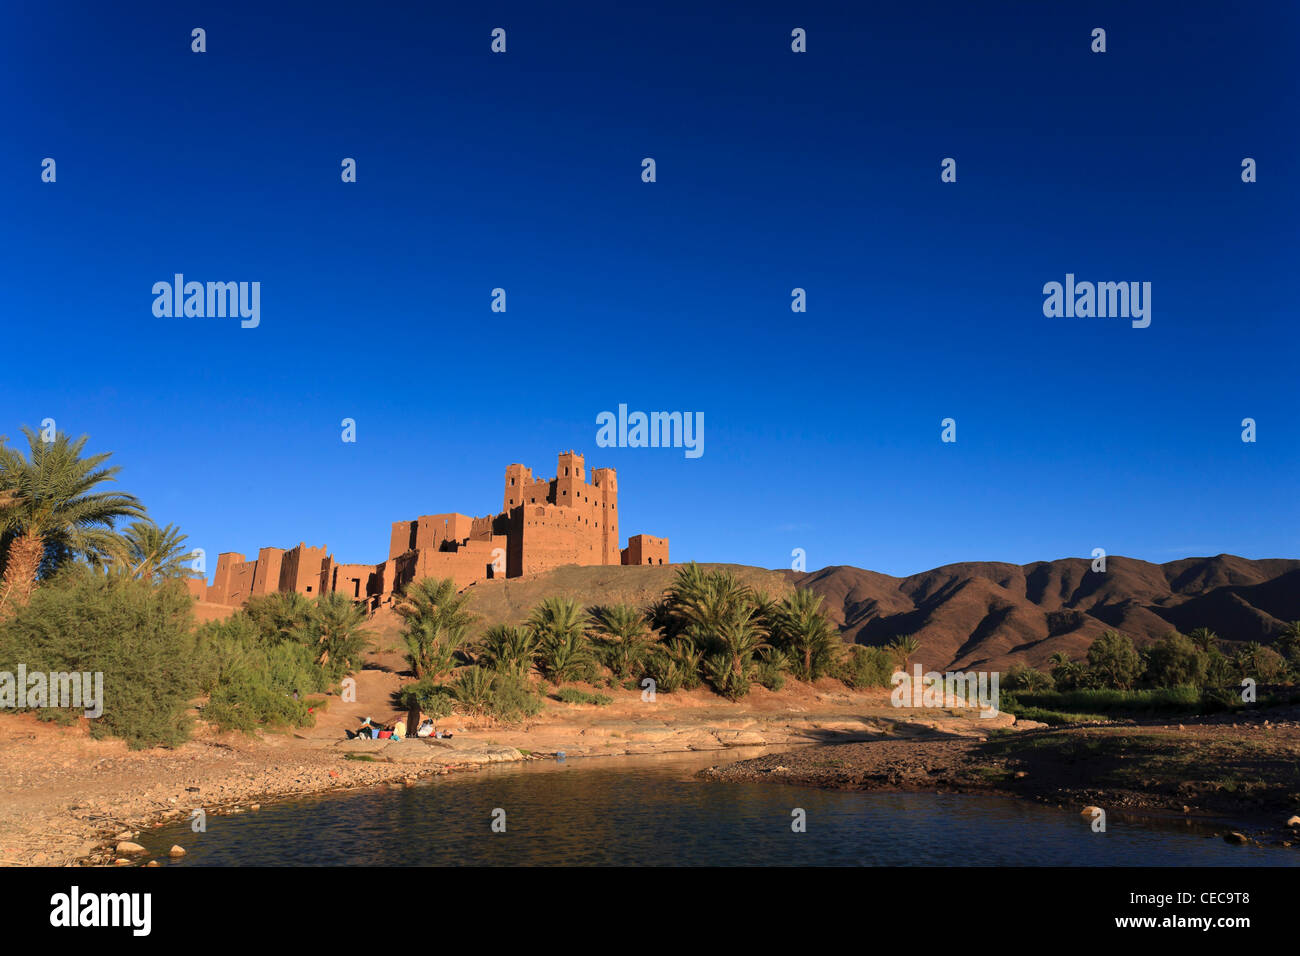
655	811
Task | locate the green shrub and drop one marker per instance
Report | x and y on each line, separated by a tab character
435	700
472	687
1174	661
574	695
140	637
1022	677
259	667
248	704
504	646
1114	660
864	667
771	667
1109	700
801	629
513	698
675	666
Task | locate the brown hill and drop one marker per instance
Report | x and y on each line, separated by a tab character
990	615
982	614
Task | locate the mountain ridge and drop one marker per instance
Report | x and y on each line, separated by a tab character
991	614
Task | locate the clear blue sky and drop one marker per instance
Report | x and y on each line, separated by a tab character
775	171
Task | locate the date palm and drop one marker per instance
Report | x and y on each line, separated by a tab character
435	623
1204	638
624	639
738	638
903	647
155	554
338	622
805	634
55	508
560	625
508	647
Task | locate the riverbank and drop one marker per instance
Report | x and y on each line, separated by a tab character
66	798
1237	776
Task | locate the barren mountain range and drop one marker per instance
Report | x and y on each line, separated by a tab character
989	615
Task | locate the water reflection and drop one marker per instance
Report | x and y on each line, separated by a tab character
654	811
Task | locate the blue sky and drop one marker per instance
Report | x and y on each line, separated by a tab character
775	170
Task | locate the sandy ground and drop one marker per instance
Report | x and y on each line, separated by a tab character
66	798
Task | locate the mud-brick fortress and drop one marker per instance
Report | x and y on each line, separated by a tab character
543	523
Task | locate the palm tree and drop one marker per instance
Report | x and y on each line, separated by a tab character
1059	659
559	624
557	617
436	623
739	637
1288	640
801	629
903	647
337	621
54	509
1204	638
624	638
155	554
703	609
508	647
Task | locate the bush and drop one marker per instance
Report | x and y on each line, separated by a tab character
247	704
566	657
506	695
1174	661
472	687
505	646
1021	677
435	700
256	673
771	668
1109	700
1064	621
513	698
1114	660
140	637
675	666
574	695
864	667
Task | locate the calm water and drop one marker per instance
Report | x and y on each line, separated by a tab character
653	811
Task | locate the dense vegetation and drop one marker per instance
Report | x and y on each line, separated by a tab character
78	593
707	630
1177	674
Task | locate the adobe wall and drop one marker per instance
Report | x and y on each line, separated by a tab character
357	581
266	578
645	549
240	585
220	587
302	569
544	523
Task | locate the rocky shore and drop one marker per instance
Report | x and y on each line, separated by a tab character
1233	777
67	799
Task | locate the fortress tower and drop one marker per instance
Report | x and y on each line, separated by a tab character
544	523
